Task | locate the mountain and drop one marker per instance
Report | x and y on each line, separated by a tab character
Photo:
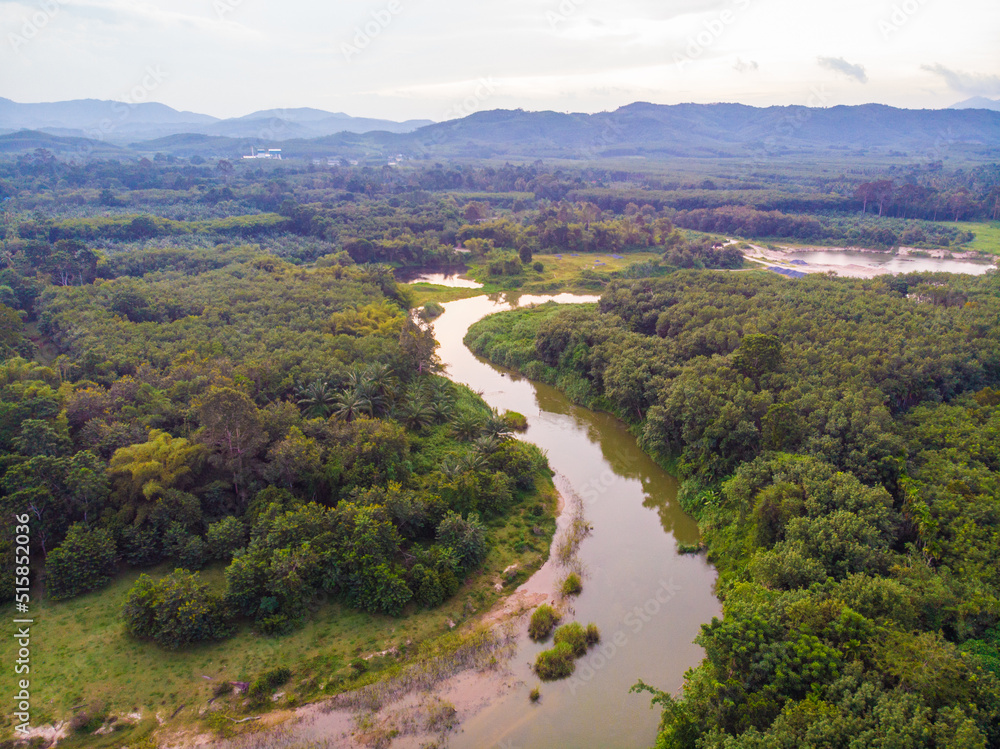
26	141
978	102
712	130
286	124
103	120
746	135
121	123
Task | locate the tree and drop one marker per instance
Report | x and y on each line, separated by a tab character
296	459
757	355
225	538
466	537
175	611
163	462
231	429
83	562
11	331
417	345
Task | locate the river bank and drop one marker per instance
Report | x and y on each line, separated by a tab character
857	262
648	600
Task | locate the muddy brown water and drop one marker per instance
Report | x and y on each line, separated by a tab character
648	601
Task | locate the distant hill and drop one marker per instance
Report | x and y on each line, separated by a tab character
750	135
711	130
118	122
26	141
978	102
285	124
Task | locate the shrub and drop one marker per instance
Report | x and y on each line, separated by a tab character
542	622
431	311
84	561
593	635
466	537
225	538
175	611
572	585
556	663
574	636
265	684
535	694
516	421
538	266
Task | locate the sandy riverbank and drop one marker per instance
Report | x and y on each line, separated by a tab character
429	701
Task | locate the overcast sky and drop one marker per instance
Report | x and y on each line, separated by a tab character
438	59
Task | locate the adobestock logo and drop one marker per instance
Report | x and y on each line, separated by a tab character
366	34
33	26
900	16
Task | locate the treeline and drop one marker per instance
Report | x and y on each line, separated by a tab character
418	215
860	231
837	444
233	409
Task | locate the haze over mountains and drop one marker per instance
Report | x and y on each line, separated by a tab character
121	123
639	130
978	102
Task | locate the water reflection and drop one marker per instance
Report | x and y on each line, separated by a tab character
630	561
893	263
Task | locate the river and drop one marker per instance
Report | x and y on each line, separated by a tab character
648	600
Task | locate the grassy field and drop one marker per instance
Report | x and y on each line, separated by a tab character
987	235
561	273
82	660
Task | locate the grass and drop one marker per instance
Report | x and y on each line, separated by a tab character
564	272
555	663
987	236
81	655
572	585
542	621
560	274
573	635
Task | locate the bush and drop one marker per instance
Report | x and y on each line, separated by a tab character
431	311
514	420
572	585
225	538
538	266
556	663
535	694
84	561
542	622
466	537
574	636
593	635
175	611
264	685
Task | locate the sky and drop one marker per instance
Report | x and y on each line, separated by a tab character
442	59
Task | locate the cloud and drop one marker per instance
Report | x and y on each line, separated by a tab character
746	67
974	84
842	66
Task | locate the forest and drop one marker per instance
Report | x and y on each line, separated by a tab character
838	442
220	409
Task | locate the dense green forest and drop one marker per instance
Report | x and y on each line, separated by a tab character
838	441
421	215
221	413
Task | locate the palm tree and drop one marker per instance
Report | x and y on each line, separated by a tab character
350	405
417	415
497	427
317	399
486	445
466	426
383	377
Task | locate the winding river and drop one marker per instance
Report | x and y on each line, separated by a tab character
648	600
